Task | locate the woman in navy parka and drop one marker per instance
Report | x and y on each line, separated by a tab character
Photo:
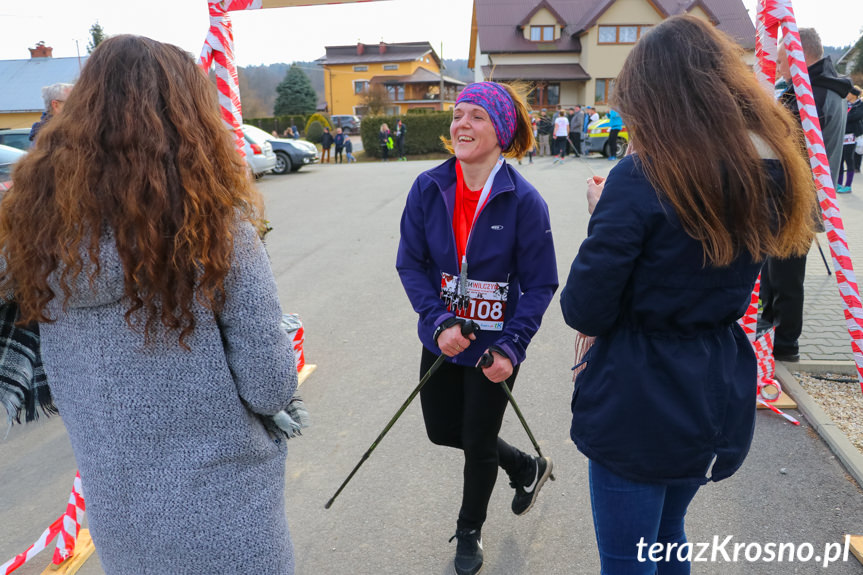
666	399
476	244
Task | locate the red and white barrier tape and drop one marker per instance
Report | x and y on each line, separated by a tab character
65	528
749	321
773	14
219	48
293	326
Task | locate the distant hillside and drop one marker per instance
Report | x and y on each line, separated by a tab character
835	51
258	86
458	69
258	83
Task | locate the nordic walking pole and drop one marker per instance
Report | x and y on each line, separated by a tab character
467	328
826	265
486	360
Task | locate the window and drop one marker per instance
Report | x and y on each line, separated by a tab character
360	86
545	95
621	34
391	66
604	87
361	68
542	33
394	91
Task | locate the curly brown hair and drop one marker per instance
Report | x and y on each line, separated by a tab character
692	107
141	150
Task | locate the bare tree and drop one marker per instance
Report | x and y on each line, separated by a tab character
375	99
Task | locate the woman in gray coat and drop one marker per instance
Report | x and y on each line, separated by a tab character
130	236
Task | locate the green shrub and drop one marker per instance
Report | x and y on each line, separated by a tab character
423	132
314	132
322	119
279	123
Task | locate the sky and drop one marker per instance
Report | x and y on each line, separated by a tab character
301	33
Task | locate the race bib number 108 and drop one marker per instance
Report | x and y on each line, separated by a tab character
482	302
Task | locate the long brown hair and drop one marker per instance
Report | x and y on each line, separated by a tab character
690	104
139	149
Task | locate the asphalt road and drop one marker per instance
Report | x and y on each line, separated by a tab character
333	252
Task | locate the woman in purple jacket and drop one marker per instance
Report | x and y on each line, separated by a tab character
476	244
666	398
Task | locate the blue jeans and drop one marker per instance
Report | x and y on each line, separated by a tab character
629	517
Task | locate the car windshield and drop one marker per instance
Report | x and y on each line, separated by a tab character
257	135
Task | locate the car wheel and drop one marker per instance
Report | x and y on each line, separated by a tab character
621	148
283	163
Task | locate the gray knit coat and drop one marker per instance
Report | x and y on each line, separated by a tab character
179	475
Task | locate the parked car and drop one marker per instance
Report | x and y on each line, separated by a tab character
349	124
16	138
291	155
259	151
597	139
8	157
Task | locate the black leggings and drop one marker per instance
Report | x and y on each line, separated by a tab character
847	165
463	409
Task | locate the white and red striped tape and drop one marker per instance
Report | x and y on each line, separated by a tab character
293	326
219	48
65	529
763	347
773	14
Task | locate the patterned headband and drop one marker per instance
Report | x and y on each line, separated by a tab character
495	100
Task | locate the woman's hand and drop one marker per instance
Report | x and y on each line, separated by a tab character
451	342
594	191
499	370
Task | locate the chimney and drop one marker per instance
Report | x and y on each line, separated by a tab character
383	47
41	50
360	48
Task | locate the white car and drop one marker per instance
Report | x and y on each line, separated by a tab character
8	157
259	151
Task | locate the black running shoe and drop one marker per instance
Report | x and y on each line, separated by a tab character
525	493
468	551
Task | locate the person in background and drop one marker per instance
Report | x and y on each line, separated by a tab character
594	115
853	129
544	129
349	149
475	225
782	279
615	124
401	130
664	399
576	126
295	133
326	143
55	97
159	316
560	134
384	141
339	141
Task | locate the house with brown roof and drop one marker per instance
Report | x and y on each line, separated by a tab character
408	72
572	50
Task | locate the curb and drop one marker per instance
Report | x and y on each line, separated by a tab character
844	367
838	443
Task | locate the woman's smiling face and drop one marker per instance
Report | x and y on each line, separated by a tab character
472	133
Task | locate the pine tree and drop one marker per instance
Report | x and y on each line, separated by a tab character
295	94
97	34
